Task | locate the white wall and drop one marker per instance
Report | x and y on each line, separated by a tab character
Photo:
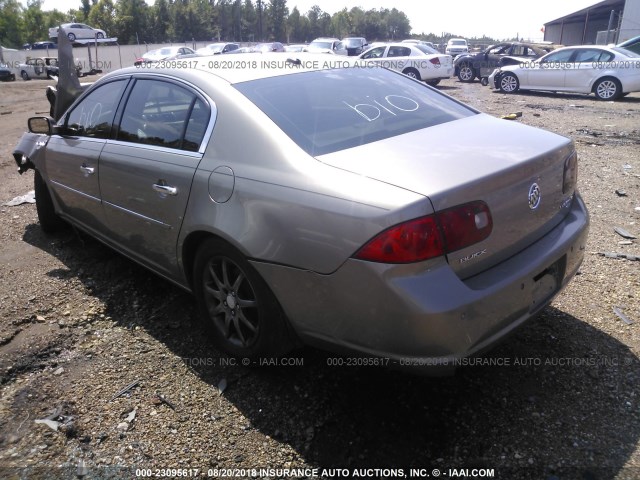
109	57
630	26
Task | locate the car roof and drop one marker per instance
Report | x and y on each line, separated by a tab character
264	65
631	41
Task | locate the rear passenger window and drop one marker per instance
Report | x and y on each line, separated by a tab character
164	114
399	52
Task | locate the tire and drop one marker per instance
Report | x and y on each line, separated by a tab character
433	83
509	83
71	37
238	310
99	35
24	75
412	73
466	73
607	88
49	221
484	81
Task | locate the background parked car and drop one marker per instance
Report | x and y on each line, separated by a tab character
355	45
326	45
295	48
46	45
217	48
269	47
417	61
163	54
6	73
468	67
603	71
78	30
42	67
456	46
419	42
632	44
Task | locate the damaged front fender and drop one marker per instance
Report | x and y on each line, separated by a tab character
29	152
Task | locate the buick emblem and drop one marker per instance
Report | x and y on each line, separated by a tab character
534	196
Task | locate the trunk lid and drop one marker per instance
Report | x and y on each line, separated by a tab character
479	158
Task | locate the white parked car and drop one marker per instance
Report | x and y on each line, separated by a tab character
326	45
42	67
218	48
607	72
417	61
456	46
78	30
162	54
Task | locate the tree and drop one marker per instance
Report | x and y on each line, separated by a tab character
85	9
33	22
160	20
277	12
248	23
341	24
260	14
315	15
10	23
397	24
297	27
357	18
103	15
197	15
132	21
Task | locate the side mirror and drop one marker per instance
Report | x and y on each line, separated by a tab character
41	125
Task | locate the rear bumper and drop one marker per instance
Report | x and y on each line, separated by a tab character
423	314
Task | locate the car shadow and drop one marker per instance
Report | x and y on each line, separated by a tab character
558	398
446	88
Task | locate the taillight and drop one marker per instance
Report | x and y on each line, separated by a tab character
465	225
431	236
435	60
412	241
570	174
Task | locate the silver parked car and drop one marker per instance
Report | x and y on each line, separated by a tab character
77	31
349	219
607	72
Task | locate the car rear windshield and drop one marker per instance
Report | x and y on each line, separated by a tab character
353	42
625	52
426	49
330	110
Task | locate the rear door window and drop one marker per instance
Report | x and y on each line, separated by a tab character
164	114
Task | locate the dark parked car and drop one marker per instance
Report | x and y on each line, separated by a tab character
6	74
304	232
470	66
355	45
44	46
632	44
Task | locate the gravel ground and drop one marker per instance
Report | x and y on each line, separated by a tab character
79	324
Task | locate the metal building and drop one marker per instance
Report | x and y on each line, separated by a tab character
608	21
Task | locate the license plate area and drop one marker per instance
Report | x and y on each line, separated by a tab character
546	284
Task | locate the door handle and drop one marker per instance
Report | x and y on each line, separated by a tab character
87	170
166	189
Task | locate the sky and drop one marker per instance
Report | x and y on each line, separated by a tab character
469	18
